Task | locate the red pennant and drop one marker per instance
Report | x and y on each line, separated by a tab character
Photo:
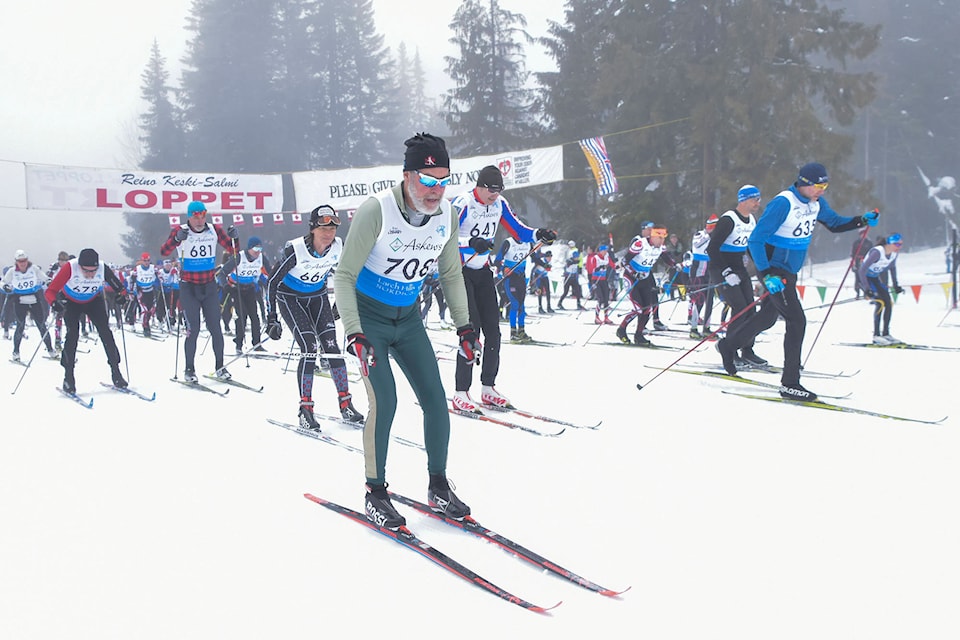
916	291
800	289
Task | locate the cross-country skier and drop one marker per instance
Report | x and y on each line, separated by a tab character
881	260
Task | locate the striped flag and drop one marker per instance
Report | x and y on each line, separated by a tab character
297	218
174	221
257	220
217	218
237	219
278	218
599	161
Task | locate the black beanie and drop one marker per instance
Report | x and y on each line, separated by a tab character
490	176
424	151
88	258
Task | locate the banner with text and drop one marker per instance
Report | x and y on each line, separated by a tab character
87	189
346	189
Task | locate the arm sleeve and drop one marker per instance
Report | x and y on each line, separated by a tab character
111	279
224	240
364	230
167	247
771	219
720	233
835	222
56	285
517	230
451	279
279	273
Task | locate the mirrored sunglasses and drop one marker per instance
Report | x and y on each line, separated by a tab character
430	181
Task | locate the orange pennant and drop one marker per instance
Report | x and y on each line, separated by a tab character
800	289
916	291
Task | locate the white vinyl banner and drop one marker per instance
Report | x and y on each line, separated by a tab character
346	189
86	189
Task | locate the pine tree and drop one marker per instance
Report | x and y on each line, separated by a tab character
163	142
227	86
762	83
490	108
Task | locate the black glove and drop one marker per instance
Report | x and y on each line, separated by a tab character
469	344
181	234
546	236
120	298
59	305
336	312
358	345
897	289
274	328
233	232
480	244
869	294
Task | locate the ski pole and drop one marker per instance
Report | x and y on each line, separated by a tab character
623	297
123	338
46	331
863	237
711	335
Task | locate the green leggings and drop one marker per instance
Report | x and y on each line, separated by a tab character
399	331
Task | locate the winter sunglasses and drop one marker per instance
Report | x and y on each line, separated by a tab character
430	181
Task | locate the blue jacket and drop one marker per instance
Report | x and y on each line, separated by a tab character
772	250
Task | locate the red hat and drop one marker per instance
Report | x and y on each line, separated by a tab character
145	256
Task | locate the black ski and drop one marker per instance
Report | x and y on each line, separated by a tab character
470	525
899	345
536	416
316	435
73	396
233	383
819	404
539	343
650	346
319	435
769	368
479	415
404	536
131	392
723	375
200	387
359	425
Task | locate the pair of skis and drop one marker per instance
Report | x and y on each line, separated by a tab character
88	403
818	404
407	538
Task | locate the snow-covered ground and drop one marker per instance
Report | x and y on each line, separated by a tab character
729	518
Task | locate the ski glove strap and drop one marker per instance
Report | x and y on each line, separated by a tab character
274	328
730	277
358	345
469	344
870	219
774	284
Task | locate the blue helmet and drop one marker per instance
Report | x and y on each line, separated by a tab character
196	207
895	238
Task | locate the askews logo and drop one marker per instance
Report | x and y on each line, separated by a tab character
427	244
